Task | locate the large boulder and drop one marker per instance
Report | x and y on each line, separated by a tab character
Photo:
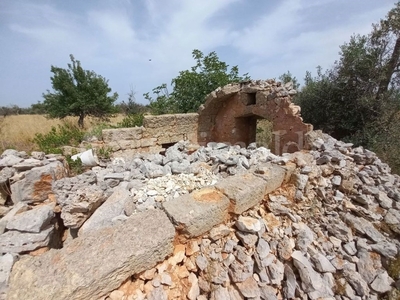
92	266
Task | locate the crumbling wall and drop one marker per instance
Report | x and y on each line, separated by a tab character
157	133
230	115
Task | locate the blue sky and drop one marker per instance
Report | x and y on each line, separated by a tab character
117	39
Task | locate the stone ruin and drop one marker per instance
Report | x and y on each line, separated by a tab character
217	221
229	116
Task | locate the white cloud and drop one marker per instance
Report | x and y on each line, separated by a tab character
117	38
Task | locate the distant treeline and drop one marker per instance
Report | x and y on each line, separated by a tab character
39	108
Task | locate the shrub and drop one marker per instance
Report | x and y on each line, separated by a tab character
132	120
104	153
75	166
63	135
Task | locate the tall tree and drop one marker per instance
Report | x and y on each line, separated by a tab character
191	87
78	92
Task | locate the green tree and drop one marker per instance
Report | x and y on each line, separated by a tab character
358	99
191	87
78	92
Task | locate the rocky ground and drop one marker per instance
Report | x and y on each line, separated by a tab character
331	231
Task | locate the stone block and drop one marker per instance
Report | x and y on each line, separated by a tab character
119	134
272	174
159	121
244	191
92	266
198	212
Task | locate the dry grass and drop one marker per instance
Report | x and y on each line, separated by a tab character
17	131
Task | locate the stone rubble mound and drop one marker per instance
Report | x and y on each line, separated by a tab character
221	222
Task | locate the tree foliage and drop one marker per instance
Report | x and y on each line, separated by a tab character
358	98
78	92
191	87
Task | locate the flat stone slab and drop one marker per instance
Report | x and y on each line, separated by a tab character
16	242
198	212
111	208
273	175
244	191
92	266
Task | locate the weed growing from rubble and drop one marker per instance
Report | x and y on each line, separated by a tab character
75	166
104	153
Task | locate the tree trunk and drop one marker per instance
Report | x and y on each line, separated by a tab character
80	121
390	67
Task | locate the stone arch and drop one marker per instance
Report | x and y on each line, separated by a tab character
230	115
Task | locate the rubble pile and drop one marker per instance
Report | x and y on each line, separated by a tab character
221	222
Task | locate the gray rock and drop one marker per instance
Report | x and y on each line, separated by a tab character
113	207
239	272
356	282
248	240
322	264
384	200
268	293
249	288
37	184
276	272
368	264
28	164
38	155
18	208
18	242
33	220
6	263
300	181
263	248
201	262
220	293
382	283
385	248
336	180
304	238
311	280
152	170
350	248
290	283
10	160
93	266
77	207
248	224
180	167
363	227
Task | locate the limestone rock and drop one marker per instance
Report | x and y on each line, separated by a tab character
17	242
113	207
96	264
33	220
37	184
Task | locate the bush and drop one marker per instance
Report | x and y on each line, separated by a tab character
75	166
132	120
63	135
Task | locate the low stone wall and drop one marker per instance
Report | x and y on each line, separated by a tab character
157	133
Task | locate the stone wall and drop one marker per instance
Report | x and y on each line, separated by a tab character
157	133
230	115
